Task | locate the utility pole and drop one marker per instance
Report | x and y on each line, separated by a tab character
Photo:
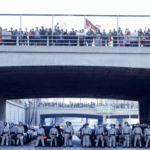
36	103
29	113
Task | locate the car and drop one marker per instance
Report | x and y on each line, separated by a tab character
60	138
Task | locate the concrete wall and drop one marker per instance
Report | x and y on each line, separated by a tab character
14	112
75	56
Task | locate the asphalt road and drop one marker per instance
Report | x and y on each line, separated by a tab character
76	146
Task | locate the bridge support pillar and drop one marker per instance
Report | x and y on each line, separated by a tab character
86	120
144	112
100	120
2	113
120	121
104	119
54	120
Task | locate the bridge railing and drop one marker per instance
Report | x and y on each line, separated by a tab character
77	40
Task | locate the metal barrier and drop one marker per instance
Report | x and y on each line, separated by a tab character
70	40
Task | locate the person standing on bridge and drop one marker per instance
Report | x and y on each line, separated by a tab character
112	133
86	132
137	132
40	134
67	135
53	134
126	132
5	134
20	134
147	135
99	132
114	35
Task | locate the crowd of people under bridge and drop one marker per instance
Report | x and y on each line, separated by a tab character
64	38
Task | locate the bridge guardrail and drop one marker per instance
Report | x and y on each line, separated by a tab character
70	40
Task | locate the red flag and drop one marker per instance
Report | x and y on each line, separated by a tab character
89	25
16	100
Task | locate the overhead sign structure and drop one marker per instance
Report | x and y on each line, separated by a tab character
104	109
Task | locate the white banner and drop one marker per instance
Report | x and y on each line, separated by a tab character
6	37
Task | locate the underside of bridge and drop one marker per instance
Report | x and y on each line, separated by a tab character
75	81
71	81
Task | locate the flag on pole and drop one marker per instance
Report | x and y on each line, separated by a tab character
65	23
89	25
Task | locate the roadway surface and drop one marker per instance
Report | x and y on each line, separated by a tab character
76	145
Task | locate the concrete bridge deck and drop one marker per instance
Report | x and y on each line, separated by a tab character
135	57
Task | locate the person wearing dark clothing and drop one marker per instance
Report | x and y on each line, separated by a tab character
141	34
114	34
147	42
20	37
16	33
50	36
81	38
43	36
66	38
73	38
61	37
57	35
11	39
31	37
89	37
24	37
104	37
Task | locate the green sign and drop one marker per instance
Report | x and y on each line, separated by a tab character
104	109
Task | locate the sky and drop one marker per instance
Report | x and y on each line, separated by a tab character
94	7
107	7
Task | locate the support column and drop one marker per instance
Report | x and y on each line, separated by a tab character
86	120
54	120
2	113
120	121
100	120
144	112
104	119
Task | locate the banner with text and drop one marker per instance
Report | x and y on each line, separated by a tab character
104	109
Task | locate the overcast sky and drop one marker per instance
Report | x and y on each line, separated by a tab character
115	7
107	7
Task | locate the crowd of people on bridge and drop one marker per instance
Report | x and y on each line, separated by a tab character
86	105
43	36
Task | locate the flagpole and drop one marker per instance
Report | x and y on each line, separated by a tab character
84	30
84	25
117	25
117	31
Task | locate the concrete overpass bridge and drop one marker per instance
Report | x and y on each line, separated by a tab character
84	72
44	112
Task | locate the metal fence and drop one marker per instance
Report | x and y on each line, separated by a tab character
69	40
